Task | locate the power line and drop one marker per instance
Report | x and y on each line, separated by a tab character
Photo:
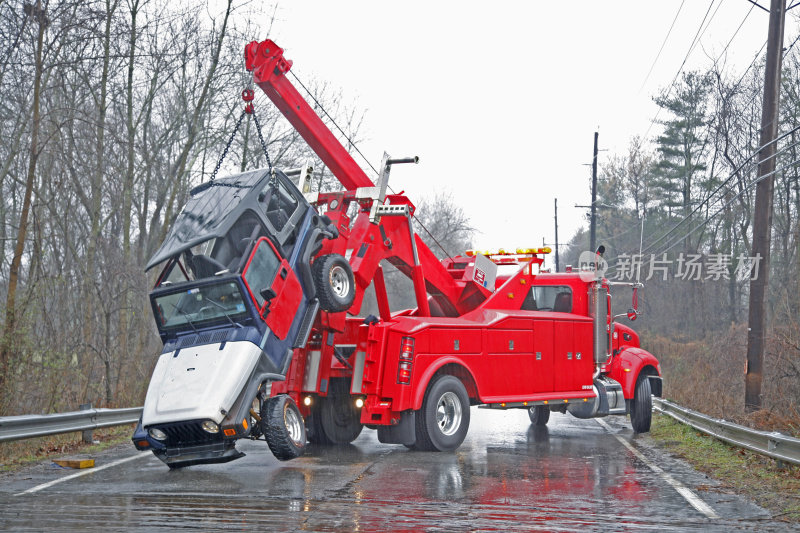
662	46
729	202
734	173
671	244
736	32
355	147
349	140
697	35
725	182
686	218
756	4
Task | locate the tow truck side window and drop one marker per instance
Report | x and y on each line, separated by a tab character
261	269
556	298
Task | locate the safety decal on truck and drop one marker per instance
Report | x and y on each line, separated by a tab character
480	276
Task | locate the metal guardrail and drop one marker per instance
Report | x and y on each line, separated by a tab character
29	426
773	444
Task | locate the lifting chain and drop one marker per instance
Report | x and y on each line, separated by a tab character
227	146
249	109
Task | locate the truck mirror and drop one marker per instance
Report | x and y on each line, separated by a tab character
632	314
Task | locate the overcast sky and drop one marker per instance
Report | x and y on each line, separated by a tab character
501	100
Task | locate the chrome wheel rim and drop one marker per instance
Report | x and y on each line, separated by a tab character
293	425
340	281
448	413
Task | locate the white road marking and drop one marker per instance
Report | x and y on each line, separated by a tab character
79	474
693	499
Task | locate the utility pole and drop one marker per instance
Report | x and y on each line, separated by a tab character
762	222
555	206
593	224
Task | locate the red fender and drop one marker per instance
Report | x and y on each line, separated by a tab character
423	382
628	364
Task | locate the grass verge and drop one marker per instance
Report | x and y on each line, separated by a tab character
771	485
19	454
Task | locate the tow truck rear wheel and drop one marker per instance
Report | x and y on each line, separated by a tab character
642	406
539	415
333	278
316	435
340	418
443	421
283	427
334	419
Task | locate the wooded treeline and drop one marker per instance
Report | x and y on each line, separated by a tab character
111	111
693	185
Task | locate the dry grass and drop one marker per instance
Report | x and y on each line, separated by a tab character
708	376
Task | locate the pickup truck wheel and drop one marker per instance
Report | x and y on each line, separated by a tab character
283	427
539	415
443	421
642	406
333	278
340	418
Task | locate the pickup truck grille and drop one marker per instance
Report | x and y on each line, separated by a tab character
182	433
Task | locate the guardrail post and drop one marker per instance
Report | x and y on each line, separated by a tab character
88	438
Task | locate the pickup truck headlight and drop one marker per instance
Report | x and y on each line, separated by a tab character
157	434
209	426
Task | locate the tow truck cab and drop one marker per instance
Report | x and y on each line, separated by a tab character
234	297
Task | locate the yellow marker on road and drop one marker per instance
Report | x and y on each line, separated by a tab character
75	463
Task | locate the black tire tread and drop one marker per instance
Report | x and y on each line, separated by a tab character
339	399
275	433
424	442
642	406
314	431
539	415
327	300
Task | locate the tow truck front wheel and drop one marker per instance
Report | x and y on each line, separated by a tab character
642	406
443	421
283	427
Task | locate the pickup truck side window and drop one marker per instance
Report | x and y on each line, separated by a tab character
280	204
261	269
556	298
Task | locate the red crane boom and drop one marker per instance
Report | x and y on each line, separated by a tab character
269	67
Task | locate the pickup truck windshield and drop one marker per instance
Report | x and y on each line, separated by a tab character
198	306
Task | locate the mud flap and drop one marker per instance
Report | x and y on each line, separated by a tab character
401	433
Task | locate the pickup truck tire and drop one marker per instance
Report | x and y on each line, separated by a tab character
443	421
539	415
283	427
334	281
642	406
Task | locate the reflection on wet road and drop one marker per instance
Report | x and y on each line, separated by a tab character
507	476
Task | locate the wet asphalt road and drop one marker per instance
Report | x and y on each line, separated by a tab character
574	475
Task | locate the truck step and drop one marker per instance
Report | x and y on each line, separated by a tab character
305	326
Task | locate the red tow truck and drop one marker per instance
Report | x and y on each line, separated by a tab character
489	329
